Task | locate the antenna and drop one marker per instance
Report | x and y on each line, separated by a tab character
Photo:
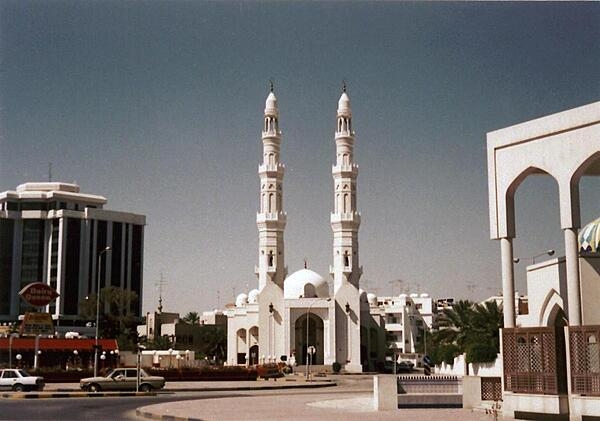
49	171
161	284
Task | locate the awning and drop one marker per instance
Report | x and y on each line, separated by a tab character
58	344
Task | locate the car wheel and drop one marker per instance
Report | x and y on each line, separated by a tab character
94	388
18	387
145	387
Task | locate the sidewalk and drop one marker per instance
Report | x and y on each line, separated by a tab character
326	406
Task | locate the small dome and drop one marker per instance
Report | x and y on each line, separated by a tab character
305	283
372	298
413	295
241	300
344	104
589	237
402	295
424	295
253	296
271	105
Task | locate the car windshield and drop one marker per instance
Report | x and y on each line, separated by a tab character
23	373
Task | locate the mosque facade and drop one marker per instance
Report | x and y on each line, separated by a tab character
300	315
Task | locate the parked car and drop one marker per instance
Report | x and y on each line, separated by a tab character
401	367
122	379
406	365
20	380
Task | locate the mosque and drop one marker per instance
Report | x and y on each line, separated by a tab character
300	315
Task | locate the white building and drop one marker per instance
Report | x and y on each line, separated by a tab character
551	363
286	315
407	319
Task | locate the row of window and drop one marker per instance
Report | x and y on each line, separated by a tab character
42	206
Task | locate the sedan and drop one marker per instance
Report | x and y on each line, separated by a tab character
123	379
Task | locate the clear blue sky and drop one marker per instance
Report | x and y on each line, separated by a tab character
158	106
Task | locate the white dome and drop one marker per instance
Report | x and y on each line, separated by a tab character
414	295
271	105
424	295
402	295
305	283
241	300
253	296
372	298
344	104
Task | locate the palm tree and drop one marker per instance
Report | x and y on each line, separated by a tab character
473	329
455	324
191	318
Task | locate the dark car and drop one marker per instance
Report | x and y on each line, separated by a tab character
401	367
122	379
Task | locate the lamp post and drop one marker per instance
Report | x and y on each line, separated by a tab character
10	341
547	252
307	325
106	249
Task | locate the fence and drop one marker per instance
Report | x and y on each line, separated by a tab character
491	389
534	360
585	359
423	385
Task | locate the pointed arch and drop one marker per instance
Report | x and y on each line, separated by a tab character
549	310
509	196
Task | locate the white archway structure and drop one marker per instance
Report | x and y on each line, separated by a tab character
564	146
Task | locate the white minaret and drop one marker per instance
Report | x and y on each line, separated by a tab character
345	221
270	220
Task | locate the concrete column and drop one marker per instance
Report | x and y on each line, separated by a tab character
385	393
572	266
508	281
247	347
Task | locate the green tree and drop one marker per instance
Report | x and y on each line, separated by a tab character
117	320
191	318
468	328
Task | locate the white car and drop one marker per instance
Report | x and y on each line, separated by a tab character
20	380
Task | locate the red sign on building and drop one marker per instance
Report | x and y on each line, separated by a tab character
38	294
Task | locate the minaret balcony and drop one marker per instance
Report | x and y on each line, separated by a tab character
346	170
344	133
270	168
271	217
345	217
271	133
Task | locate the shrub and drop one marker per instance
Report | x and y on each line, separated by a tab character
336	367
481	353
445	353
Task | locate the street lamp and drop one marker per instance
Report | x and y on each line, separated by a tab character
307	324
10	341
547	252
106	249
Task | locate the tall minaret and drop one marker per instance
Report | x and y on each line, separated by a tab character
270	221
345	221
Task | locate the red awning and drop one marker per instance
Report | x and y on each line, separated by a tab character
58	344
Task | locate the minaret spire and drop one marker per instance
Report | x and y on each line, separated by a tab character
345	221
271	219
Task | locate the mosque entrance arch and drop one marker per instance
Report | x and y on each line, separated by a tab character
315	338
253	358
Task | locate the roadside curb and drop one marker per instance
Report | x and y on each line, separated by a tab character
55	395
78	394
150	415
246	388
